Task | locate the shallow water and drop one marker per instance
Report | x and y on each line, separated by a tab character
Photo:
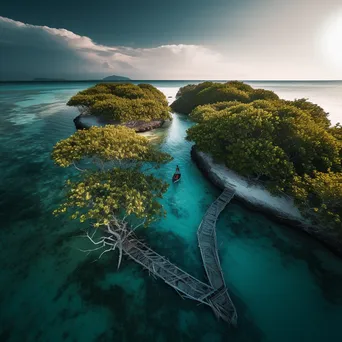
286	286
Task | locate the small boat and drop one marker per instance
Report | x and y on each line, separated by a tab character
176	176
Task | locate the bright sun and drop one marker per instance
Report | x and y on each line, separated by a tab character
332	40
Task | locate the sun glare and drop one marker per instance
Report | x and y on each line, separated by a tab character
332	40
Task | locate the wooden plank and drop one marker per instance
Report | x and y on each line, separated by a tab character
224	307
180	280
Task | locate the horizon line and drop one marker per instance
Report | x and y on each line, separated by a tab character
167	80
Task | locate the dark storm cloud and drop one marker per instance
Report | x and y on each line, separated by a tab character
29	51
35	51
133	23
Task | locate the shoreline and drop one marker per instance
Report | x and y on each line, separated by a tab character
85	121
281	211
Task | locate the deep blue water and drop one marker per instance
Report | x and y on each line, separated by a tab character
286	286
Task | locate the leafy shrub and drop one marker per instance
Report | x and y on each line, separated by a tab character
123	102
287	144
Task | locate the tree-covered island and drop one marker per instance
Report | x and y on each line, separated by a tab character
141	107
288	146
115	190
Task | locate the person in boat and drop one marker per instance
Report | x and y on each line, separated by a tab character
176	175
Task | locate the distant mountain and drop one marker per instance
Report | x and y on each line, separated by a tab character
116	78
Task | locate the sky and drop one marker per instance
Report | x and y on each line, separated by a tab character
179	39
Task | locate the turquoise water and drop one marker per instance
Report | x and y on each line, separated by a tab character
286	286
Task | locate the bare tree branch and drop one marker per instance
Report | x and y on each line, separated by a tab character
77	168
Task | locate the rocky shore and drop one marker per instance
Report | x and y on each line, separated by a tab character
257	198
86	121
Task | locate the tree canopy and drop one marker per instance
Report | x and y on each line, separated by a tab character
99	196
336	131
117	185
320	198
107	144
287	144
122	102
191	96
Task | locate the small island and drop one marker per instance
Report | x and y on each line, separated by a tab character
285	150
140	107
116	78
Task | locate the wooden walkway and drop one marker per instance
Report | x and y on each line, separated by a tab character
207	242
215	293
161	267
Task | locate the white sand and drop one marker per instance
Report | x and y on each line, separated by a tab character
255	194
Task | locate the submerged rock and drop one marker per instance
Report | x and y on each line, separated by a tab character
257	198
86	121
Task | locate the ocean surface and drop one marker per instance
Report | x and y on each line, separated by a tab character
286	285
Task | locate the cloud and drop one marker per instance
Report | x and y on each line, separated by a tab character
39	51
106	65
29	51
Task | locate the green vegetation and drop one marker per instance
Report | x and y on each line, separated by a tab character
336	131
288	145
117	185
191	95
319	196
122	102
